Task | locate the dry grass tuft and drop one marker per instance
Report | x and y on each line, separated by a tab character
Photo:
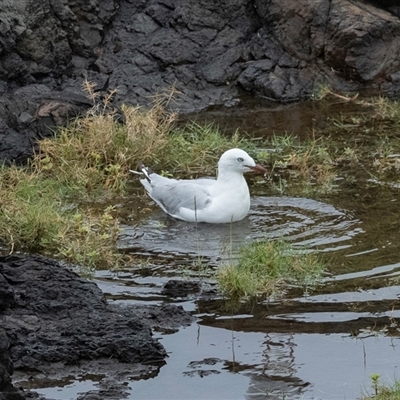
94	153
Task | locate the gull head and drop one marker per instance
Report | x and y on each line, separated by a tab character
237	160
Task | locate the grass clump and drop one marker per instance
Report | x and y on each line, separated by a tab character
93	154
29	210
323	91
47	206
90	239
265	266
383	392
195	149
372	137
302	163
384	109
35	218
91	157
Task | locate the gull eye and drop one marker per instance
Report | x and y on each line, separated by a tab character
240	159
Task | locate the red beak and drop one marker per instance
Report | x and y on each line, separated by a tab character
258	168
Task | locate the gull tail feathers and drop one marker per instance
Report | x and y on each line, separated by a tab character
143	171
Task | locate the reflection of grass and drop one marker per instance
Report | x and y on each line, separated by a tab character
265	266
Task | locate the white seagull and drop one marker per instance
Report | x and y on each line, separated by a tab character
222	200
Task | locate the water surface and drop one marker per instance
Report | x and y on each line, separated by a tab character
323	344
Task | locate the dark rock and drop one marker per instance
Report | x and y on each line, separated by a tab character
166	318
49	316
176	288
31	112
208	51
57	316
7	390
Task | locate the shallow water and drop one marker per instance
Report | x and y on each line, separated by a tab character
302	220
322	345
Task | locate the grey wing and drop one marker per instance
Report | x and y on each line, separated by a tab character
178	194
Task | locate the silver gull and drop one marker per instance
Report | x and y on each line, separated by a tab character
222	200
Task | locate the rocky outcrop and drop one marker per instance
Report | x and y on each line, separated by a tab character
49	316
209	51
350	45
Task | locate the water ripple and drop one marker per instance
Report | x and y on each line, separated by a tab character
301	220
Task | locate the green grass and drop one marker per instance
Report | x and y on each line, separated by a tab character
29	210
56	204
34	217
383	392
383	109
92	156
304	165
194	149
265	267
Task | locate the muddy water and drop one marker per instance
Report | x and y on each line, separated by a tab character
320	345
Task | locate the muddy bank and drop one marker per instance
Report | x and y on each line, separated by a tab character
54	323
211	52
